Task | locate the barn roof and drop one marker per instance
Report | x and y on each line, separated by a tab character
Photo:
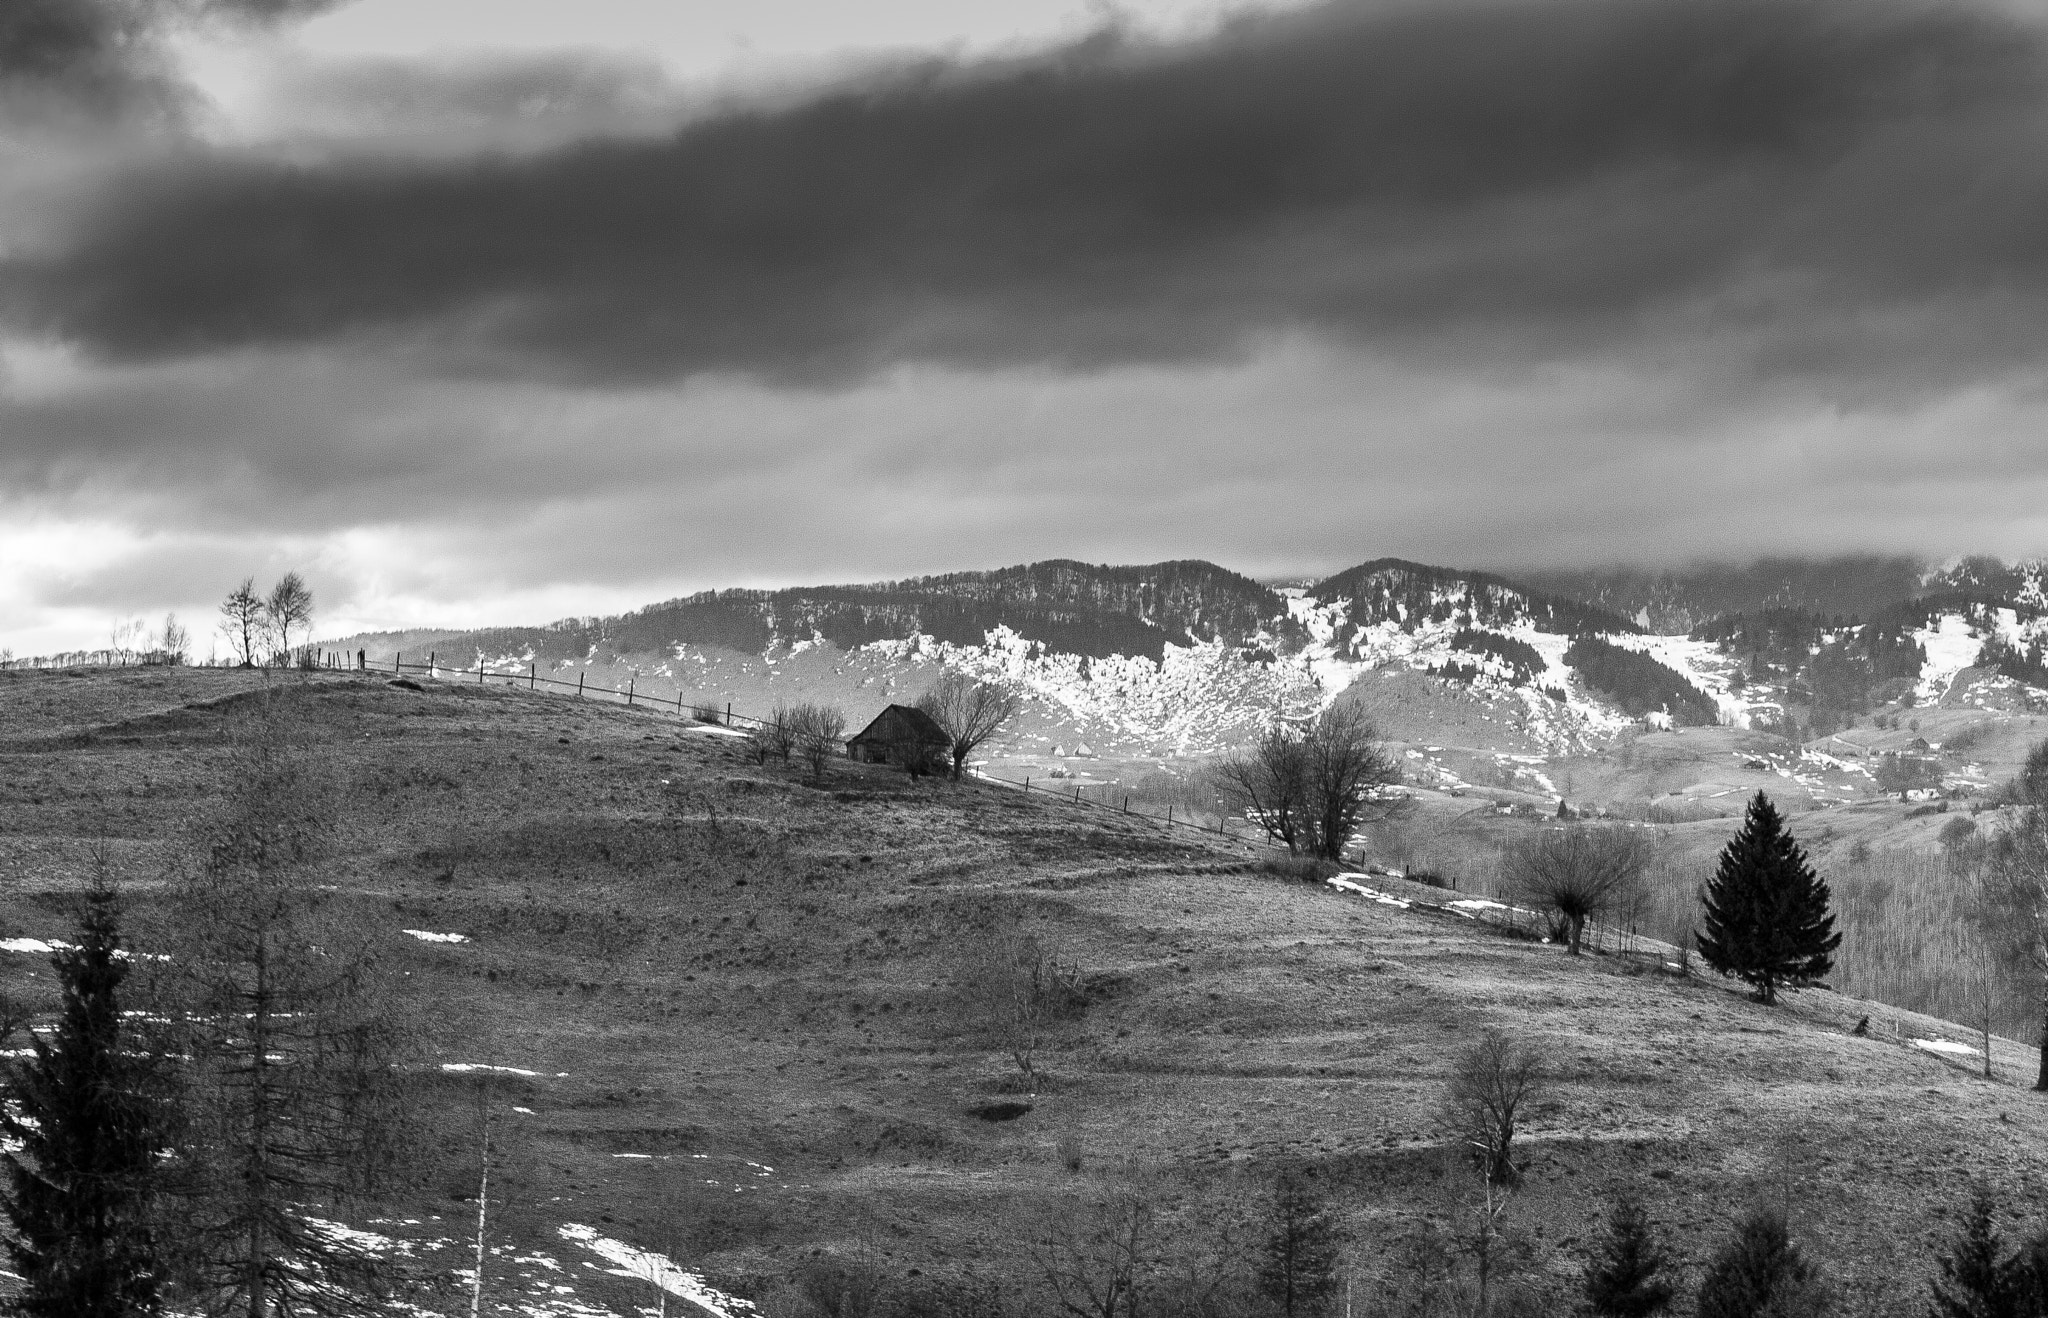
899	723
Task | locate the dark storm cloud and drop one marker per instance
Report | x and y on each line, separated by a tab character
103	57
1839	183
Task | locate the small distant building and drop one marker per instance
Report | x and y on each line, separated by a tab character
1657	721
1082	750
1918	744
903	735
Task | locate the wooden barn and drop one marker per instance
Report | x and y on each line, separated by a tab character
901	735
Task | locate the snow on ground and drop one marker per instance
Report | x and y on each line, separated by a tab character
428	936
657	1269
1350	883
30	946
466	1068
1948	1046
1951	645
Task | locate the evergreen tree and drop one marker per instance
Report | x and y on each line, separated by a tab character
1767	920
1299	1269
85	1130
1975	1281
1622	1280
1761	1273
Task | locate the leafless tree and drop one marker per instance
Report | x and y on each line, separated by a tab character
242	621
1268	785
777	737
969	711
2013	896
293	1089
1094	1257
1314	788
1016	992
1494	1081
1578	871
290	605
176	642
817	731
1349	772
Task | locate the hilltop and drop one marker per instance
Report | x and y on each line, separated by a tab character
728	1005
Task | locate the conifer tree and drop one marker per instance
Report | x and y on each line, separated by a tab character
1299	1269
80	1174
1976	1280
1767	920
1761	1273
1622	1280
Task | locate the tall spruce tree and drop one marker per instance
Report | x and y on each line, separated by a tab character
1767	920
1622	1279
84	1129
1977	1279
1299	1269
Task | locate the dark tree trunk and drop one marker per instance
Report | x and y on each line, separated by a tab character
2041	1076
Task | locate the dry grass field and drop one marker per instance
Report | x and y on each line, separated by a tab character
745	1003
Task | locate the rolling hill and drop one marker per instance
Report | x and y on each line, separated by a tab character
722	1016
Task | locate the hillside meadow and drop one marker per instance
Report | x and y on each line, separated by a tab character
720	1012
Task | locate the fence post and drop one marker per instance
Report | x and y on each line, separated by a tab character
1027	784
433	664
1127	804
397	655
1169	814
728	713
479	670
530	669
630	679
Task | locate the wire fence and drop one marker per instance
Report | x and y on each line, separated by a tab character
724	716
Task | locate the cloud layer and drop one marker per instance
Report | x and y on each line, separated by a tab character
1850	178
1477	281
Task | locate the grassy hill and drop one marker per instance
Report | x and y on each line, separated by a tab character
735	1014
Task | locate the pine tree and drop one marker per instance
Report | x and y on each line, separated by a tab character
1761	1273
86	1130
1975	1281
1299	1270
1622	1281
1767	920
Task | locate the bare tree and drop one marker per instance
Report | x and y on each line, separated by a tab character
1268	785
176	642
1314	787
2014	891
290	605
1094	1257
293	1089
1349	772
776	738
1016	992
242	621
1494	1080
817	731
1578	871
969	711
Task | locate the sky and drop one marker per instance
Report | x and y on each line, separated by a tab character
499	311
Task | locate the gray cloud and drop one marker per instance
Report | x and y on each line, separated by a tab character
1850	180
62	60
